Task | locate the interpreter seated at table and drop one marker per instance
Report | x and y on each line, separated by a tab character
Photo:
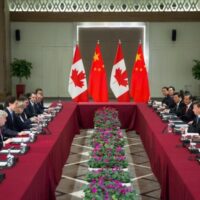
195	126
3	142
31	109
179	107
21	123
188	113
167	99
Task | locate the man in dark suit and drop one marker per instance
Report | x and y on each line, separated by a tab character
195	126
3	142
31	109
188	113
179	107
39	93
10	128
10	106
39	104
21	123
171	91
167	99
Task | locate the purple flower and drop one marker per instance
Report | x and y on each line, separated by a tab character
94	190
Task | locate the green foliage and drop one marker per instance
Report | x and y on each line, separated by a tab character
21	68
196	69
108	175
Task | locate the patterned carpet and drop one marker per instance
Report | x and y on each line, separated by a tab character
74	171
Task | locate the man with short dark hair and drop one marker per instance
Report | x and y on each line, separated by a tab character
188	113
167	99
171	90
10	128
195	126
31	109
179	107
10	106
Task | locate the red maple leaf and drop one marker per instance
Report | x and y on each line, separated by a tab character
78	78
121	77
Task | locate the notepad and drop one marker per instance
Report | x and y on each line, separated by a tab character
3	164
11	151
20	139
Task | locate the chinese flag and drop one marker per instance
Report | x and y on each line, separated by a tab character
97	80
119	77
77	80
139	89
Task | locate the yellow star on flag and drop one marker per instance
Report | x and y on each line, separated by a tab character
138	57
96	56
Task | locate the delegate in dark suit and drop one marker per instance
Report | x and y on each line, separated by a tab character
8	133
168	101
179	109
31	110
39	108
21	124
188	114
10	120
195	126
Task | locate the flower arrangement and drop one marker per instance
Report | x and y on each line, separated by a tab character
108	190
108	155
108	162
109	150
108	175
106	117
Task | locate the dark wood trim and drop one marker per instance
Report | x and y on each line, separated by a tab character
104	16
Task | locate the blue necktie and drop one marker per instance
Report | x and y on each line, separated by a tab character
12	116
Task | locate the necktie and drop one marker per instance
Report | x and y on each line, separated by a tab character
12	116
1	136
197	120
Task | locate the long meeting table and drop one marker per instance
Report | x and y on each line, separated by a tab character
37	174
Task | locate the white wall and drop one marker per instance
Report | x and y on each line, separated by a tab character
49	46
171	62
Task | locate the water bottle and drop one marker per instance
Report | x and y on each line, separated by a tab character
169	127
23	147
10	159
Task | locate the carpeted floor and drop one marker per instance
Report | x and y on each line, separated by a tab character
74	171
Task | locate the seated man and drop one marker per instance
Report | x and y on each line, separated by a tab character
39	93
3	142
39	104
21	123
31	109
10	106
10	128
179	108
167	100
171	91
25	101
195	126
188	113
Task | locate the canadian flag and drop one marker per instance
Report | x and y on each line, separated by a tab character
77	87
119	77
